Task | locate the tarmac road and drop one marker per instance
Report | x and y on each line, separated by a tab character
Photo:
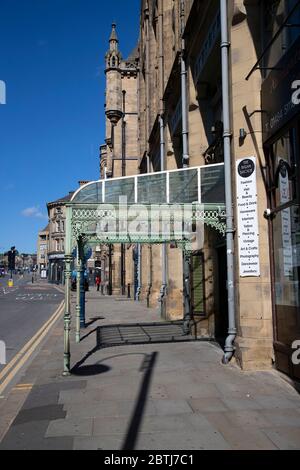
24	309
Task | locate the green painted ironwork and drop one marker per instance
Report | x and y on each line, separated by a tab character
167	206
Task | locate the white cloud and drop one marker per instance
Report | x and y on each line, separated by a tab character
35	212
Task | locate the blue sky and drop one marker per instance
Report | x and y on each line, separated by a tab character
51	127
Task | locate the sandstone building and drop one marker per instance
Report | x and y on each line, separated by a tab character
179	60
56	250
42	252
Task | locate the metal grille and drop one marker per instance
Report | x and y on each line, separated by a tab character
145	333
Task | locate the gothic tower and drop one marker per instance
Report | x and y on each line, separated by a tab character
113	80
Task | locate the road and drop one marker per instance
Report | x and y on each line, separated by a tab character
24	309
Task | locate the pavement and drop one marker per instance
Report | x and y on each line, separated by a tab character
129	393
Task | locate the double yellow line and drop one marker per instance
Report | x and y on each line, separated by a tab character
11	370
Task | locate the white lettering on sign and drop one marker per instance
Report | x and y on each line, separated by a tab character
248	233
296	94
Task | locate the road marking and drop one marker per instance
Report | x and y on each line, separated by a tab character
10	291
23	388
27	350
36	297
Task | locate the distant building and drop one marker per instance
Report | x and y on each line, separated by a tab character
42	252
56	254
26	262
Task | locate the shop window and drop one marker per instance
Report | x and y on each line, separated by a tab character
274	15
286	246
285	169
286	239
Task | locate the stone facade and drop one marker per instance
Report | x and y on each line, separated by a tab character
43	251
57	226
152	81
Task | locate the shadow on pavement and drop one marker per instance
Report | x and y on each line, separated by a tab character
136	420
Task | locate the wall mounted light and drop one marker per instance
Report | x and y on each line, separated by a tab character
243	134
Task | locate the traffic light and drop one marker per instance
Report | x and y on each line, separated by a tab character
12	259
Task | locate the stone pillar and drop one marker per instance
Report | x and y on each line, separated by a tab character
254	304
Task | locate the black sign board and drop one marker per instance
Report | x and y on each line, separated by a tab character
279	91
246	168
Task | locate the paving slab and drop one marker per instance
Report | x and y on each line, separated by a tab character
207	405
176	396
208	439
70	427
105	443
284	438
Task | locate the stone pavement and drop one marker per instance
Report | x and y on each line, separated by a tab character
175	396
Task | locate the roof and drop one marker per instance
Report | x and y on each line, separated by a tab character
46	229
134	53
62	200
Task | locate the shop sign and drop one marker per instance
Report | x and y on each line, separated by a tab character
281	93
247	206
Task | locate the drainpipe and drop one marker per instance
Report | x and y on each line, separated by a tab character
185	164
139	268
164	286
147	20
225	47
123	248
185	136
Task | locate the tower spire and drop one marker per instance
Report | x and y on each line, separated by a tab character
113	40
114	36
113	60
113	56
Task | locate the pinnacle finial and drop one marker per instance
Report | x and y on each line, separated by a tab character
113	36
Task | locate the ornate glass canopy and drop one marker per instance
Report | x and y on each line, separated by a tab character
151	208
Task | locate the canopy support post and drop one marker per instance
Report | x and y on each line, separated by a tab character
78	291
82	286
67	315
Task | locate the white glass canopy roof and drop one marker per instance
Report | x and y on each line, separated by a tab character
202	185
